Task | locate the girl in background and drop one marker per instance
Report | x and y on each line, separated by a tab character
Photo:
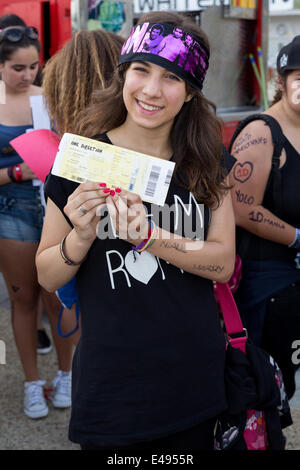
266	201
21	219
84	65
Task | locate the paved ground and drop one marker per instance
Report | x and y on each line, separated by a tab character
17	432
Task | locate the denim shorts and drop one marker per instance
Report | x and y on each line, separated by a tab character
21	212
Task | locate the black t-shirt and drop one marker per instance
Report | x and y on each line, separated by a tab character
150	361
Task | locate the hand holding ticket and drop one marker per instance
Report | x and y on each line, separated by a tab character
83	160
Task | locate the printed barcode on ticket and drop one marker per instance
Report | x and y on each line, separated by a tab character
153	180
80	159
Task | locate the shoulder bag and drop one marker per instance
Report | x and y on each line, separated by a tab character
258	408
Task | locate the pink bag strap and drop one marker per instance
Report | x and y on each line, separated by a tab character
231	316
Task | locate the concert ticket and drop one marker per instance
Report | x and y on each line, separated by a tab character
82	160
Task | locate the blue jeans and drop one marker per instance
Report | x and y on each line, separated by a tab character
21	212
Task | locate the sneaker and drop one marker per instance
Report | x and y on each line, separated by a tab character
61	396
44	344
35	405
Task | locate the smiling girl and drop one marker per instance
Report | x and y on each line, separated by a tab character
148	370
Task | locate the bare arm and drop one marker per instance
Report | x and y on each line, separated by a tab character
212	259
4	178
253	149
26	173
53	272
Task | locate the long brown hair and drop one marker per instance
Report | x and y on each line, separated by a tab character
196	135
86	63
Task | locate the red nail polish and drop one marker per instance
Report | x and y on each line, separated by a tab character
118	190
112	193
107	190
102	185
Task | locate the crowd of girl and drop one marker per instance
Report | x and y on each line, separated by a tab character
148	370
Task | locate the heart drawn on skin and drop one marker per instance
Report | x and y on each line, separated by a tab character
141	266
243	171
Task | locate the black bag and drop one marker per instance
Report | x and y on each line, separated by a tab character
258	408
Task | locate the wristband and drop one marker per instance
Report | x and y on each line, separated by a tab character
67	260
139	247
296	243
18	173
149	240
10	173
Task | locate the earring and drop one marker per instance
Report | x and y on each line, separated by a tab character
2	91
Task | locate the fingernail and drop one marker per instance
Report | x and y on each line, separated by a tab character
112	193
102	185
107	190
118	190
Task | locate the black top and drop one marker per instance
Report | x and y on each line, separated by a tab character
150	361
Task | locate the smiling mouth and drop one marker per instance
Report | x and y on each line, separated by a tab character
148	107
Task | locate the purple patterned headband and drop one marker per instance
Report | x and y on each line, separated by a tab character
170	47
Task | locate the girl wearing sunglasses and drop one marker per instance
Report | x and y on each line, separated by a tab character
16	33
21	214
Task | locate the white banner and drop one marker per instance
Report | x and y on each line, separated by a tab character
279	5
144	6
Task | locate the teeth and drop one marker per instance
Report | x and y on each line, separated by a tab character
147	107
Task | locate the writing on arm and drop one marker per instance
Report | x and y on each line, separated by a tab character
253	150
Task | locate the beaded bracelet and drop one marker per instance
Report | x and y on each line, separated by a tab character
296	243
147	242
150	241
141	246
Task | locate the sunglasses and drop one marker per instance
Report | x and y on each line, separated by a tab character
16	33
